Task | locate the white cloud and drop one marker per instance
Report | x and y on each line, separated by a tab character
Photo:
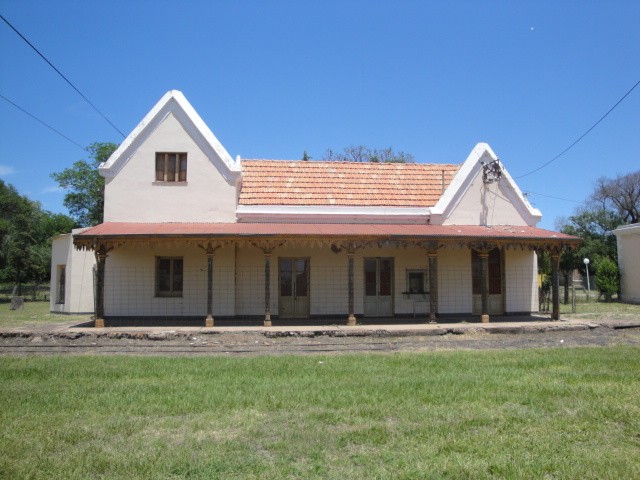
53	189
6	170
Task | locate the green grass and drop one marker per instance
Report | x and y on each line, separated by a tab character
595	309
557	413
34	314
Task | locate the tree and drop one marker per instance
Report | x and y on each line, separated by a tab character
360	153
621	195
85	186
607	277
594	227
25	237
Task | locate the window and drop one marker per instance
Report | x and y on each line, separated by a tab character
417	281
169	276
171	167
62	281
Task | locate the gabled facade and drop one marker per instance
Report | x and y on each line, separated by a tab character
190	233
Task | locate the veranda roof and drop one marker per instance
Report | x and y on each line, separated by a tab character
120	230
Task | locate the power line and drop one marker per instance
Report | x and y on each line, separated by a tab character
60	73
584	134
43	123
549	196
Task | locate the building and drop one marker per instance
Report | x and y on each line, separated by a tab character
191	233
628	239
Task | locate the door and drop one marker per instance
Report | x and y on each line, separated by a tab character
294	287
494	282
378	287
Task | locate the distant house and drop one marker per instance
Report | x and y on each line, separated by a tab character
628	238
191	233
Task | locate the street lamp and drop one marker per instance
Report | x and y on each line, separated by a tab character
586	265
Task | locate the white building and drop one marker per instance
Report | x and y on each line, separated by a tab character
628	239
191	233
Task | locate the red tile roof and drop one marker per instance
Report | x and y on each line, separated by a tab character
285	182
177	230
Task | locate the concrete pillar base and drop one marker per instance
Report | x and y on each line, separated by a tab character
267	320
99	323
484	318
208	322
351	321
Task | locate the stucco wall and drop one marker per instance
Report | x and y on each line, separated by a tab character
130	282
454	281
131	195
238	280
628	238
521	286
79	276
485	204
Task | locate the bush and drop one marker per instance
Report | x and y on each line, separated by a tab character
607	277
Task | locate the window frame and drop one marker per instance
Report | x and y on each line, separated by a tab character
175	167
171	292
425	281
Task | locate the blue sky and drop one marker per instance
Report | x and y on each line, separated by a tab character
275	78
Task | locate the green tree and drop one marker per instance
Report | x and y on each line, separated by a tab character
607	277
594	227
85	186
25	237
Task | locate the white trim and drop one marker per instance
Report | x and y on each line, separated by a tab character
625	230
331	214
470	169
173	102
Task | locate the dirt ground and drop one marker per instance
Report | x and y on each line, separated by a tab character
178	343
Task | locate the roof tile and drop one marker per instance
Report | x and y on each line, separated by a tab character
286	182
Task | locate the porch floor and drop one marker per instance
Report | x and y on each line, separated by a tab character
324	321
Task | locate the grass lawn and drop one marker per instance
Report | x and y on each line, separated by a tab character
34	313
594	309
557	413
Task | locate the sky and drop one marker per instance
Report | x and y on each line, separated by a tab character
273	79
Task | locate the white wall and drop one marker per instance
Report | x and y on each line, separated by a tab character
521	268
79	276
238	280
454	281
130	282
628	238
486	204
131	195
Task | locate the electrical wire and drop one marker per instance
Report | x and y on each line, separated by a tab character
60	73
549	196
583	135
43	123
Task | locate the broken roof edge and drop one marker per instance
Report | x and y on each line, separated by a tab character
171	102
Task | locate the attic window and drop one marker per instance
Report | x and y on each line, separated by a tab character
171	167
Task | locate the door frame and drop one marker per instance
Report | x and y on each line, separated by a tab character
307	313
377	296
497	302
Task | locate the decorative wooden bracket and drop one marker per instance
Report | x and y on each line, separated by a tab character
101	250
210	249
483	248
268	246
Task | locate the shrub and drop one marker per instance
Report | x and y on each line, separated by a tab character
606	277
